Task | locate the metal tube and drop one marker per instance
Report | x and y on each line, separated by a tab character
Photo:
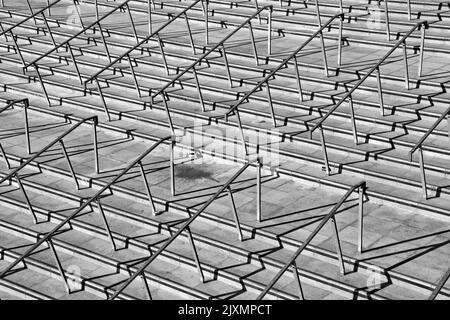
235	214
253	42
269	101
258	190
103	99
96	160
422	47
324	150
380	91
27	200
104	42
241	130
2	151
96	10
297	280
360	217
17	48
338	244
408	3
58	264
27	127
163	56
205	12
169	117
339	49
69	47
405	60
386	14
147	188
108	230
42	84
149	14
199	91
172	166
136	83
146	286
191	39
72	171
194	251
352	119
269	32
227	66
132	23
422	173
78	13
48	28
297	74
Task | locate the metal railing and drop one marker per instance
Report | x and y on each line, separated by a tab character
440	285
32	16
96	198
376	68
185	227
361	186
26	104
15	172
68	47
284	63
214	47
145	40
418	147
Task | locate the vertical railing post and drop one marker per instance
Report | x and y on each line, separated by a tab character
27	200
196	258
252	37
58	264
361	192
199	90
172	166
42	84
422	173
269	32
146	286
338	244
205	13
48	28
258	189
108	230
72	171
69	48
235	214
132	23
422	47
299	84
405	61
352	119
94	133
16	45
102	97
147	188
269	101
386	14
408	3
3	153
26	104
169	117
380	91
136	83
324	150
339	53
227	66
191	39
104	42
297	280
322	41
163	55
96	10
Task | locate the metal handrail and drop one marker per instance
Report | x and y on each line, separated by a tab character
440	285
140	43
283	63
418	146
217	45
26	104
291	262
34	62
47	237
185	226
48	146
29	17
376	67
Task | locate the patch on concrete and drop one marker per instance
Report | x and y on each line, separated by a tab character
193	172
